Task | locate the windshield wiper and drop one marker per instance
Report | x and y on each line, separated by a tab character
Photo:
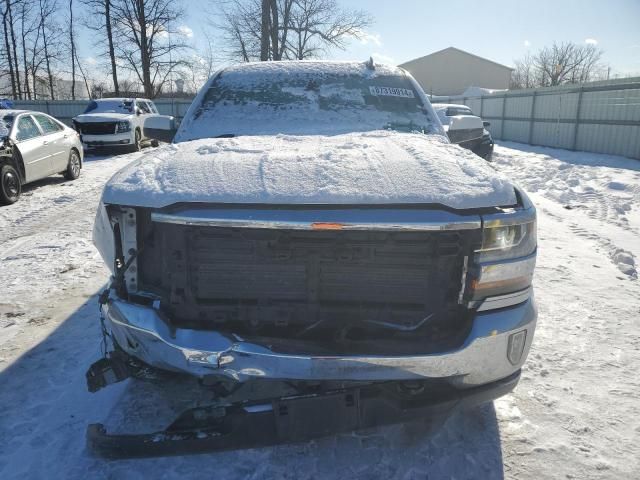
226	135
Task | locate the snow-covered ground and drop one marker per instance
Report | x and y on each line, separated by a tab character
575	413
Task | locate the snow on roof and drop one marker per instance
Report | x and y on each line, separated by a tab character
379	167
313	67
12	112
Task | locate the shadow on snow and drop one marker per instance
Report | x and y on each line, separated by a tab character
46	409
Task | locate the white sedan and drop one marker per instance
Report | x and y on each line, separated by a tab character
34	146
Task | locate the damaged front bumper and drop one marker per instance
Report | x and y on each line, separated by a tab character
495	348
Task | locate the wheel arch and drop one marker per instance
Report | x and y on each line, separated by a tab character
79	155
15	160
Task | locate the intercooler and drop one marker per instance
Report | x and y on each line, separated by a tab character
330	290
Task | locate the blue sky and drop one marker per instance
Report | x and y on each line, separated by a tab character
501	30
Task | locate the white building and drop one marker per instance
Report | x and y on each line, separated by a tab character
451	71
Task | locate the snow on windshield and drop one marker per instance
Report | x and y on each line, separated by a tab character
110	106
307	98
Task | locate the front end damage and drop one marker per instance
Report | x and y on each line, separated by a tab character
381	315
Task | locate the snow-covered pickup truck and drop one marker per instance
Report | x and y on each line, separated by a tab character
312	242
116	122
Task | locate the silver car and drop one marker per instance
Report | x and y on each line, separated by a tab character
34	146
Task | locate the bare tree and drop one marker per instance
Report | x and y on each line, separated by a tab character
29	27
524	75
7	48
201	68
288	29
318	25
50	33
12	45
148	40
558	64
72	46
99	19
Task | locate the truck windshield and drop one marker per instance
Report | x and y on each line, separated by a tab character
307	101
110	106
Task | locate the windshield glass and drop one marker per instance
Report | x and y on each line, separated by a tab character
5	126
110	106
308	101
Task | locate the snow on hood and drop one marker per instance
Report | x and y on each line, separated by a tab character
380	167
102	117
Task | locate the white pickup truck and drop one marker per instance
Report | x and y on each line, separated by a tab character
116	122
314	251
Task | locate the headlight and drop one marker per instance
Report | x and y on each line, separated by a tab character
508	241
506	260
122	127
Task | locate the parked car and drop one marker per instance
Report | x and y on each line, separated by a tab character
34	146
116	122
465	128
314	250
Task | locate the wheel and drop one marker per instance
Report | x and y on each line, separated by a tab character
10	186
73	167
136	143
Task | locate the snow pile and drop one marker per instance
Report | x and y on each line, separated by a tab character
602	191
379	167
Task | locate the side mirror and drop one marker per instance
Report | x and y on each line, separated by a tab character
486	124
160	127
138	111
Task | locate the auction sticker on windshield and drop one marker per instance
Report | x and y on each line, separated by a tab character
391	92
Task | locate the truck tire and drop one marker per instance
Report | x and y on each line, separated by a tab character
137	146
73	167
10	185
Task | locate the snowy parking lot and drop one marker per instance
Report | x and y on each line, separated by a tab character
575	414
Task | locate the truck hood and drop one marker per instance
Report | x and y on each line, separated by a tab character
375	168
102	117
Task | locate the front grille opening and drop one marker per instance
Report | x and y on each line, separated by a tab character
97	128
358	292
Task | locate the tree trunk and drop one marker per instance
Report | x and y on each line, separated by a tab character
47	60
264	32
15	51
8	49
24	55
112	52
73	52
145	60
274	31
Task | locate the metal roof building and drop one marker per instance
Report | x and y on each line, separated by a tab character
451	71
